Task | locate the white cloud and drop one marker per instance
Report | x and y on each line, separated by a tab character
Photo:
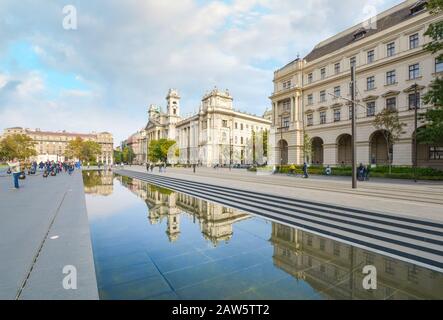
128	54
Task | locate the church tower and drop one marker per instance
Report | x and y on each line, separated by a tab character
173	103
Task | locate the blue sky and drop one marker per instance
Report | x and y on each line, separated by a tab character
126	55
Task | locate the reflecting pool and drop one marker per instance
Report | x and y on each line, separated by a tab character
153	243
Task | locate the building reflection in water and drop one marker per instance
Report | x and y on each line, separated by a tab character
215	221
329	266
336	268
98	182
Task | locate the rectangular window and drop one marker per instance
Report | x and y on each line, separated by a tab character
310	99
391	103
336	249
371	56
337	115
414	71
287	84
414	100
322	117
413	41
438	65
241	126
241	140
390	77
370	109
224	123
310	119
310	78
435	153
352	61
337	68
322	73
322	96
390	49
322	244
337	91
236	125
287	105
370	83
286	122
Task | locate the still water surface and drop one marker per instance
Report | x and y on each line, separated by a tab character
153	243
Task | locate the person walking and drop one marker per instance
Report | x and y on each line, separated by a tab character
15	169
305	170
367	171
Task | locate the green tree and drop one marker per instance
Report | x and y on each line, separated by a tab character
128	154
307	147
17	146
158	150
390	126
90	151
74	149
83	150
118	156
432	133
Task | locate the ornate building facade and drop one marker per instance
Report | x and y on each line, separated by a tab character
52	145
311	95
217	134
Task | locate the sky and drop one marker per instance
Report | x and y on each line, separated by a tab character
125	55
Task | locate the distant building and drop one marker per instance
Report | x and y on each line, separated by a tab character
52	145
217	134
311	95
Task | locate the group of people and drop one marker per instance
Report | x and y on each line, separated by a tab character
19	170
150	167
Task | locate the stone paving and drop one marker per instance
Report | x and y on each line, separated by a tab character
423	199
44	227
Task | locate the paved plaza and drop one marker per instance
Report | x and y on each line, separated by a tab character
44	227
423	199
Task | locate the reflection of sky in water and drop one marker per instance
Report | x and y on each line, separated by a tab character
135	259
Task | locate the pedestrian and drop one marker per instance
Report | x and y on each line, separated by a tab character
305	170
328	170
15	169
367	171
147	167
360	172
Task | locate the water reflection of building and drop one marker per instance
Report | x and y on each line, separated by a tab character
215	221
98	182
335	269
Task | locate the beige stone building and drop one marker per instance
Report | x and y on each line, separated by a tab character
312	95
217	134
52	145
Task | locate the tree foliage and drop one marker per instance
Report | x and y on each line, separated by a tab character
158	150
307	147
17	146
390	126
83	150
128	154
432	133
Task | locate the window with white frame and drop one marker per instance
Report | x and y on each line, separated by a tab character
337	115
310	119
391	103
370	109
322	117
337	91
390	49
337	68
370	83
353	61
310	77
390	77
414	100
286	122
414	71
438	65
322	96
323	73
413	41
310	99
371	56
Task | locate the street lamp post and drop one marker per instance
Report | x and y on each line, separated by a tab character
415	132
354	128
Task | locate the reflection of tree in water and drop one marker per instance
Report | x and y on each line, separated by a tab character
98	182
161	190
